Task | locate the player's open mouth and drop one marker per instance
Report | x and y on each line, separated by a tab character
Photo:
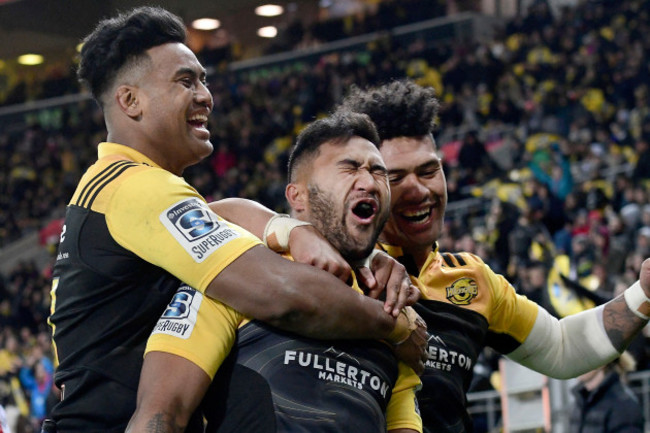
365	210
418	216
199	121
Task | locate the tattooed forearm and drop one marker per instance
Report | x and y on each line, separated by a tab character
621	324
162	423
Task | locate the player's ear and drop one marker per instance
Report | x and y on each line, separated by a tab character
296	194
128	101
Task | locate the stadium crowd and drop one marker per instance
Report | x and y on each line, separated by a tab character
546	127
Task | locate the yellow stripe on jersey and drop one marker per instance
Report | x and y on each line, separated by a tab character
55	285
402	412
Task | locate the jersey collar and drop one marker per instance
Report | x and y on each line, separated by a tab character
106	149
406	259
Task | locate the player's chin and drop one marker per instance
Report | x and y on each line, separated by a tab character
364	240
204	148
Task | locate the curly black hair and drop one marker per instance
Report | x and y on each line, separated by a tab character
339	127
399	109
121	40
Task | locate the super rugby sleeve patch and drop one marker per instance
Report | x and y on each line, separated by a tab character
196	228
179	318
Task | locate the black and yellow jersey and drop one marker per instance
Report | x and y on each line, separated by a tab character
275	381
132	232
467	307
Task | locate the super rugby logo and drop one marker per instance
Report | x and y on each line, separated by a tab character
192	220
462	291
196	228
179	307
179	318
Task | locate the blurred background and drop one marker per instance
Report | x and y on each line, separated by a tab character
544	131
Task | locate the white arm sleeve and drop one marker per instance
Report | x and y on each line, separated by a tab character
566	348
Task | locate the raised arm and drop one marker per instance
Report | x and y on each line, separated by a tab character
579	343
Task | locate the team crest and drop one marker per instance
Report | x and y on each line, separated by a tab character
462	291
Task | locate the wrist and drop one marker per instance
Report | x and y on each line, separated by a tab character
405	324
277	232
637	301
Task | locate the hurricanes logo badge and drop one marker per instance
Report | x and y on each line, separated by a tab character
462	291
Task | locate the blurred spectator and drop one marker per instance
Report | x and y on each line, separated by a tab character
642	167
604	403
529	233
36	378
553	170
533	285
474	161
620	244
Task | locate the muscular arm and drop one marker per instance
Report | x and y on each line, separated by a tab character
621	324
291	296
170	389
246	213
306	244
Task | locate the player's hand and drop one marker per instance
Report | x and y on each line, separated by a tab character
388	275
413	351
307	245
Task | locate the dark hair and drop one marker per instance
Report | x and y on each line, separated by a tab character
339	127
398	109
122	39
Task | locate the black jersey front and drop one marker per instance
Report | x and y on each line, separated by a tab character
106	301
467	307
277	382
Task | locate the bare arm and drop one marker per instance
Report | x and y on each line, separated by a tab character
306	244
299	298
169	391
246	213
621	323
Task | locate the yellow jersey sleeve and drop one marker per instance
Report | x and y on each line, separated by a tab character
402	411
197	328
512	314
162	219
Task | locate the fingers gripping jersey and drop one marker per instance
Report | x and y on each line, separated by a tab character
132	231
467	307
